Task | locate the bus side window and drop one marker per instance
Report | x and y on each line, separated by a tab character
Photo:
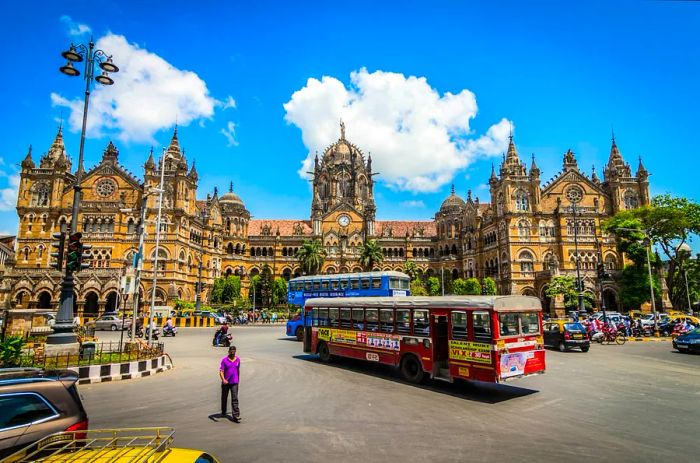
343	284
345	321
459	325
386	320
313	316
482	326
365	283
316	285
376	283
358	319
372	319
334	285
403	321
405	283
322	317
421	323
355	284
333	317
324	284
307	286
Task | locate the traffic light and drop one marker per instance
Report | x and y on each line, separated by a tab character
76	250
602	274
60	247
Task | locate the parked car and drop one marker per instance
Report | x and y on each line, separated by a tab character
218	319
129	445
689	342
615	317
111	322
648	319
565	335
35	403
666	327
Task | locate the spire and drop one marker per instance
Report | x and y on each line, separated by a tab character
452	191
230	187
150	163
110	153
469	195
342	129
594	176
316	162
193	171
493	177
216	192
641	170
616	166
174	143
28	162
534	170
369	162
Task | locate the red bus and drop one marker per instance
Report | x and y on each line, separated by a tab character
484	338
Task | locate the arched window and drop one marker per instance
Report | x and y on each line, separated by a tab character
611	262
527	262
40	194
523	229
229	248
521	202
131	227
631	200
162	258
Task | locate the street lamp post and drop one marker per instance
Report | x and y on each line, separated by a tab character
686	249
579	282
198	303
157	249
63	330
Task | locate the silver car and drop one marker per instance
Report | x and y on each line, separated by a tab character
112	323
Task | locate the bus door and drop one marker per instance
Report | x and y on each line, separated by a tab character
440	344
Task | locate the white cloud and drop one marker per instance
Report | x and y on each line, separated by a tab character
418	138
75	29
413	203
8	195
230	133
229	103
149	94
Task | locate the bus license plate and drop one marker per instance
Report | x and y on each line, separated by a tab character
372	357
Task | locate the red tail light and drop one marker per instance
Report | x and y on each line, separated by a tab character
567	335
79	426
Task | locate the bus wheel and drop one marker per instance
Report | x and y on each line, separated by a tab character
411	369
299	333
324	353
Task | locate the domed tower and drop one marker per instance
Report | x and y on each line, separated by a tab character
448	222
343	196
626	191
235	215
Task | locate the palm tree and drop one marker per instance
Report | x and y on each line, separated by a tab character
311	256
370	254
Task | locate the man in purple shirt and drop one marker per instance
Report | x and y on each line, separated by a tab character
229	372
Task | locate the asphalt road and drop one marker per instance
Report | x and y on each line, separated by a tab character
637	402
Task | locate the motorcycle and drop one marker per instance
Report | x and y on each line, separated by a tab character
169	331
222	339
139	332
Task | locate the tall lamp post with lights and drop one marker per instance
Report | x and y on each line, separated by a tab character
198	303
63	330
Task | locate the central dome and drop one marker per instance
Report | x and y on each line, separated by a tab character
452	202
231	197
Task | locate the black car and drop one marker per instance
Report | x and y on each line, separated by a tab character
35	403
565	335
688	342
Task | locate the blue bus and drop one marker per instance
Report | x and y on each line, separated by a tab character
365	284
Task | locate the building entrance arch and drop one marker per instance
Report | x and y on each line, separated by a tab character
44	300
92	306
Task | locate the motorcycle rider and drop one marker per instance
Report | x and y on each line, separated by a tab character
168	327
223	330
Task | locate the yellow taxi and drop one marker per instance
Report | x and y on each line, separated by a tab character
133	445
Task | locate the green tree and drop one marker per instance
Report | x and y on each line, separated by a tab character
226	289
254	291
488	286
266	282
433	286
459	287
634	283
417	288
279	291
670	222
473	286
311	256
370	254
566	286
411	269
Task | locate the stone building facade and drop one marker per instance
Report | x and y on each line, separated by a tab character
521	237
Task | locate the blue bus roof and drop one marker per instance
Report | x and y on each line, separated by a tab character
388	273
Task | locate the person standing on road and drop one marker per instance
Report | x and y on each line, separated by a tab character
229	372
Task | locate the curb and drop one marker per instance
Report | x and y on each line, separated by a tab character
92	374
649	339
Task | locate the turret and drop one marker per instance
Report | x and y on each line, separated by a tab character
28	162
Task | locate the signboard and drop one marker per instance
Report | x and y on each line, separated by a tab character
514	364
128	283
476	352
369	338
162	311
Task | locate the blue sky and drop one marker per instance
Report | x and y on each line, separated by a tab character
429	88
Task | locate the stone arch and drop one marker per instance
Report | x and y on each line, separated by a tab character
611	299
44	300
287	273
229	271
455	274
91	307
357	269
528	291
111	302
331	270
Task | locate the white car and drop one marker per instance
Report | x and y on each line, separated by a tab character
648	319
614	317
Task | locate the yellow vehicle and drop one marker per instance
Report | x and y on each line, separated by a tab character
133	445
635	314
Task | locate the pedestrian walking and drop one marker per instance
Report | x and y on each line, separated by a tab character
229	372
